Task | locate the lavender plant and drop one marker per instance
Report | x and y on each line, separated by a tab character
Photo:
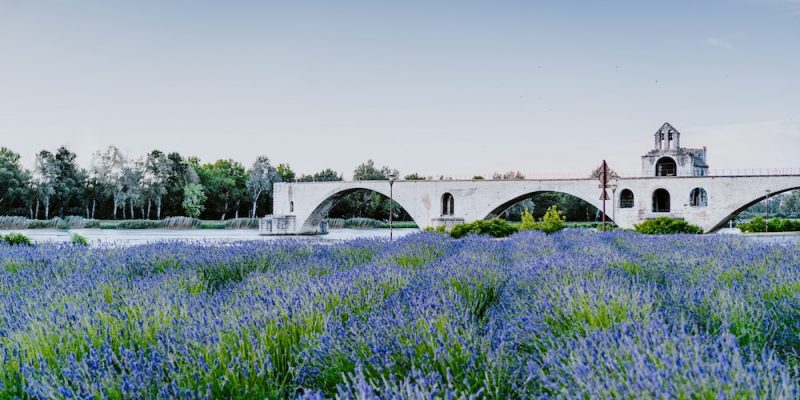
575	314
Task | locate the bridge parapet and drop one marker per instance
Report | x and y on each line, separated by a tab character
722	197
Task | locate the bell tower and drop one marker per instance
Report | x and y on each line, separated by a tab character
668	158
667	138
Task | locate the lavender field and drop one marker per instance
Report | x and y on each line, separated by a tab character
576	314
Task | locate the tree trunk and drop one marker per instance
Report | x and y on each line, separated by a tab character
37	210
30	210
158	208
255	205
124	216
116	205
148	208
133	215
94	205
47	209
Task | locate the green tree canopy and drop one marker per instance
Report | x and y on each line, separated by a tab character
226	183
13	178
368	172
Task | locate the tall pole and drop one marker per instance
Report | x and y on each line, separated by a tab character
604	215
603	186
392	178
614	202
766	220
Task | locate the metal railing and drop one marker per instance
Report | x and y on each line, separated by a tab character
539	175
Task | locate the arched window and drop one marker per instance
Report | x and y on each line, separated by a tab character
448	204
666	167
661	200
698	198
626	199
291	206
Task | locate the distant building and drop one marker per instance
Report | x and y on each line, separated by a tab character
668	158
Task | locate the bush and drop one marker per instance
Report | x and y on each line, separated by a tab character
666	225
16	238
138	224
758	224
242	223
552	221
11	222
78	239
359	223
438	229
495	227
78	222
179	223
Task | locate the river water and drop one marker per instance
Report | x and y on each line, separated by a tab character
136	236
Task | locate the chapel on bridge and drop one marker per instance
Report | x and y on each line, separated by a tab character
668	158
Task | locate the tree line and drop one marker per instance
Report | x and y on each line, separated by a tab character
159	185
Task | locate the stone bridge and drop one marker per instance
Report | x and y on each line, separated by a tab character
707	201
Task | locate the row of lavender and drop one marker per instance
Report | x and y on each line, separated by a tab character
574	314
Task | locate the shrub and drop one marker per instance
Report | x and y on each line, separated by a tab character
666	225
495	227
335	223
179	223
11	222
79	239
758	224
552	221
438	229
242	223
138	224
362	223
16	238
78	222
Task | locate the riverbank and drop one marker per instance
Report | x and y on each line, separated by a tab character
140	236
74	222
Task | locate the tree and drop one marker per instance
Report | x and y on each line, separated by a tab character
262	176
414	177
326	175
45	178
225	181
155	178
93	190
368	172
508	176
108	168
69	187
611	173
132	183
552	221
193	200
286	173
181	173
13	177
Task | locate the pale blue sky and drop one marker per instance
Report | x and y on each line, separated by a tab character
438	87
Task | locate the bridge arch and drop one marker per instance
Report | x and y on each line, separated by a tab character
729	215
310	223
498	209
666	166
